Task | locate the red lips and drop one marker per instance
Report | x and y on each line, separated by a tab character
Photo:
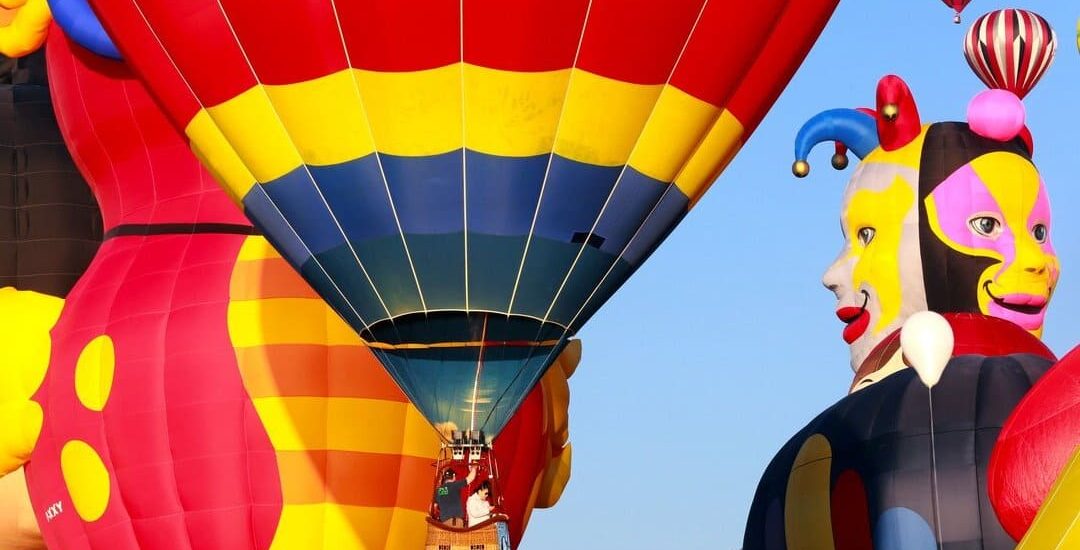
857	320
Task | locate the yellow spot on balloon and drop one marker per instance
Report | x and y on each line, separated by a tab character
807	516
25	346
94	372
21	425
86	478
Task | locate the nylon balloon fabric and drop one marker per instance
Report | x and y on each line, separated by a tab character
1034	452
49	222
859	476
196	393
465	183
1010	49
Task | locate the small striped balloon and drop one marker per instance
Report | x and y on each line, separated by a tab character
1010	49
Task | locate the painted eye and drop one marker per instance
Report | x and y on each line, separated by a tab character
987	226
1040	232
866	234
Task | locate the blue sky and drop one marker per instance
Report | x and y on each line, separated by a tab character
725	343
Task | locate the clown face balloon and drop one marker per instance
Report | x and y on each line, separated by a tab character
950	217
878	276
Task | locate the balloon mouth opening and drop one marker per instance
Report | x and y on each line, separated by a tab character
460	329
466	371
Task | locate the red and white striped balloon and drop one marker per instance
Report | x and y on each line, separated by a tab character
1010	49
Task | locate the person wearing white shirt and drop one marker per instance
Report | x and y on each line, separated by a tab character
478	507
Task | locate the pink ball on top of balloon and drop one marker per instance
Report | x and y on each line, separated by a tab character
996	114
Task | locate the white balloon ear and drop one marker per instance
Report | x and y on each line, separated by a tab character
926	340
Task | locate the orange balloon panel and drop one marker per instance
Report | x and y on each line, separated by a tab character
18	528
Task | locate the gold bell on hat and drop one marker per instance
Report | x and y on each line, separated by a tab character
889	111
801	168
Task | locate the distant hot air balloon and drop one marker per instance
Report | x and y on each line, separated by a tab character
465	183
957	6
1010	49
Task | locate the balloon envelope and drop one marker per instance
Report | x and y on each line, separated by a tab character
466	183
859	475
249	390
1010	49
957	6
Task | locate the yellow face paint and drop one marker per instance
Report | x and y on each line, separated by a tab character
876	260
878	277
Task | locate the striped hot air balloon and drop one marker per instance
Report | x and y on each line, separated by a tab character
193	391
1010	49
465	182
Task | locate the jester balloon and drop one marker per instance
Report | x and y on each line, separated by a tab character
935	217
465	182
1010	49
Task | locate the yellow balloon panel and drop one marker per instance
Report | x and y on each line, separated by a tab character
807	519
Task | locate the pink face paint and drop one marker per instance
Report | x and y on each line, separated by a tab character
961	196
1040	214
964	196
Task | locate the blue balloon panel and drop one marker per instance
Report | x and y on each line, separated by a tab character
474	370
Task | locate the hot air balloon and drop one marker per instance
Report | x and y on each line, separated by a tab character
957	6
465	183
223	428
1033	453
909	246
1010	49
866	473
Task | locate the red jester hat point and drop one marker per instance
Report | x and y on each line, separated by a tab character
897	115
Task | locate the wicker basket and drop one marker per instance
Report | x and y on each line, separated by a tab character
483	538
